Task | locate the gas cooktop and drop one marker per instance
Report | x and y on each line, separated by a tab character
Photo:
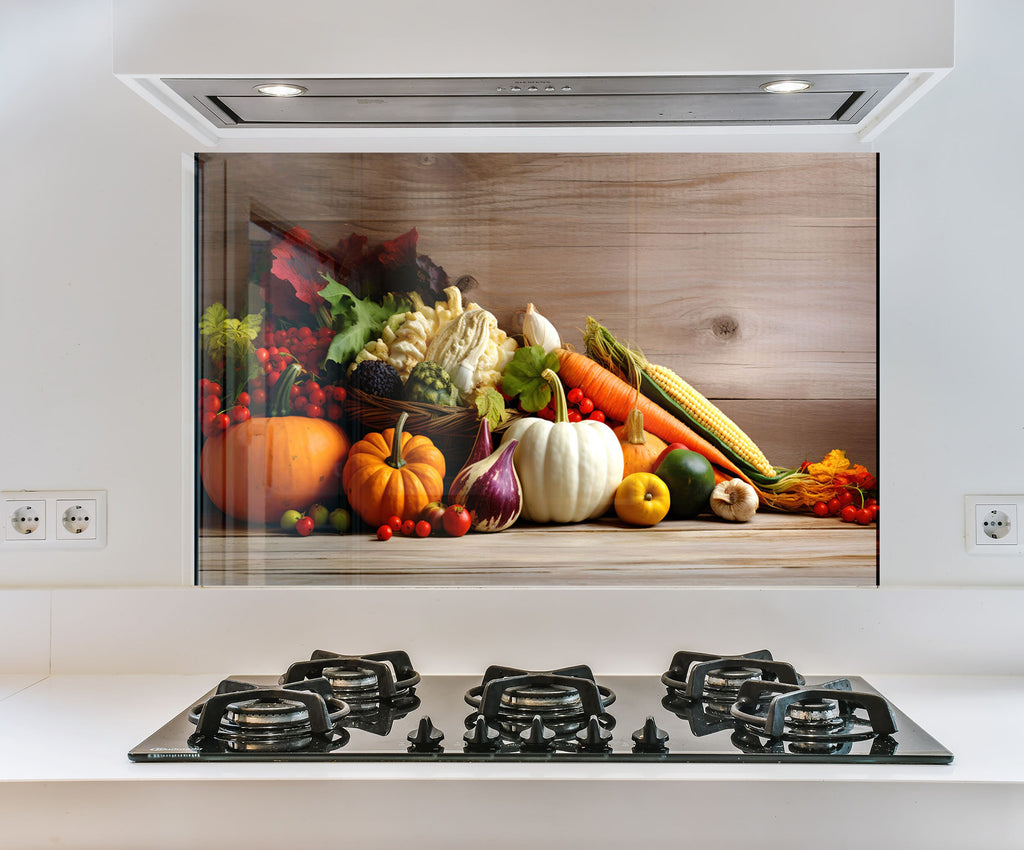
704	708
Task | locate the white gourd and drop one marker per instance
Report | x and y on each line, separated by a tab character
459	345
569	471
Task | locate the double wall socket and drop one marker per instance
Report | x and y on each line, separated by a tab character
65	519
992	525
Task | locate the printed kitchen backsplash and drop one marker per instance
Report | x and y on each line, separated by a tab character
536	369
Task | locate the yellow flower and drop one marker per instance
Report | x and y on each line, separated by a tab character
831	465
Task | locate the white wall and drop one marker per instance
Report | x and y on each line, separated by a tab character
93	323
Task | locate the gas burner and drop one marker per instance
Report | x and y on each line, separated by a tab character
813	717
246	718
717	679
563	699
366	682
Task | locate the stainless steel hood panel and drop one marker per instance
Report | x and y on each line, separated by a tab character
512	102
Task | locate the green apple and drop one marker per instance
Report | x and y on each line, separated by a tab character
319	514
288	520
341	520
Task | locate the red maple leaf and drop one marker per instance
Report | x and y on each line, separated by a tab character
298	262
400	251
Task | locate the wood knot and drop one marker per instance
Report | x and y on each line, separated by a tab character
725	327
467	283
428	159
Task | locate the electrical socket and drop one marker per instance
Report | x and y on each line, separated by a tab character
991	525
24	520
54	519
76	519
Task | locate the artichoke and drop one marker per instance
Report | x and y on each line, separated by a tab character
429	383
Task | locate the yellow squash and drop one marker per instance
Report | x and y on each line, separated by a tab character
642	499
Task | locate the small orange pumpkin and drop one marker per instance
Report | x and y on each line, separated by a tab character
393	473
258	469
640	449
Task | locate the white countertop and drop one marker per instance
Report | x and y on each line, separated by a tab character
64	741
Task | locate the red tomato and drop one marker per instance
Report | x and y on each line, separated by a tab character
409	527
394	523
304	526
339	394
220	422
833	506
314	411
211	403
262	356
864	516
243	399
574	416
574	395
586	406
316	396
597	416
457	520
213	388
845	497
820	509
239	413
384	532
848	513
423	528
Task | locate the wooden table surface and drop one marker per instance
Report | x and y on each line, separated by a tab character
772	549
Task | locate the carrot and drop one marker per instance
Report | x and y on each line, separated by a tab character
617	398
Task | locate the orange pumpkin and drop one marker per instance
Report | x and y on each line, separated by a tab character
258	469
393	473
640	449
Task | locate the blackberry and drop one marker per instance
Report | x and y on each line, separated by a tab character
378	378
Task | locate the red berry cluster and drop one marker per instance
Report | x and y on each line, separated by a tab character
579	408
307	399
213	417
849	505
306	345
316	402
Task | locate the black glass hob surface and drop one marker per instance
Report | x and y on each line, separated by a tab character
704	708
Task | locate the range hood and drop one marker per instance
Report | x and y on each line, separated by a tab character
555	101
669	67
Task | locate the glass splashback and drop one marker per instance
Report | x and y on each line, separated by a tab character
326	281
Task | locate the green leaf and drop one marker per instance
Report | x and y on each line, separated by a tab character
359	319
212	319
524	377
491	406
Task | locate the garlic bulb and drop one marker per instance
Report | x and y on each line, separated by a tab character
734	500
539	331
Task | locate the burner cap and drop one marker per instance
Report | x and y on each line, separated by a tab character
266	713
542	699
345	680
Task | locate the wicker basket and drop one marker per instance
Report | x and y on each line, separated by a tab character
452	429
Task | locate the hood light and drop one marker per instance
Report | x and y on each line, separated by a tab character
786	86
280	90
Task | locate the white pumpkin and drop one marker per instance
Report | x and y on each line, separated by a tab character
569	471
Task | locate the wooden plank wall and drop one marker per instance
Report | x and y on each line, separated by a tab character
752	275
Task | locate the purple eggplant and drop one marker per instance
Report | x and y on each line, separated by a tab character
490	490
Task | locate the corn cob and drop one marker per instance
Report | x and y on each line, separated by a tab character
713	420
700	412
